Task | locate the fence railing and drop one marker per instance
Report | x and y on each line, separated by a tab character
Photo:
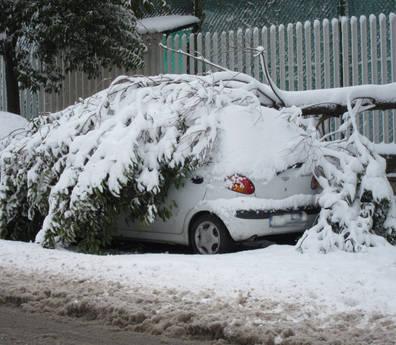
310	55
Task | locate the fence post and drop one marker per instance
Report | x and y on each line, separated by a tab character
169	54
207	50
200	52
239	50
282	72
317	44
248	52
264	40
364	68
223	49
184	57
355	60
299	48
256	62
215	48
384	72
335	31
326	52
345	51
374	72
290	54
308	55
176	45
231	55
191	48
326	61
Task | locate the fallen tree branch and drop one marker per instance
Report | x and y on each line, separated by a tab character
228	78
334	102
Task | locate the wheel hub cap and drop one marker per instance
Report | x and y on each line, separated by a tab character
207	238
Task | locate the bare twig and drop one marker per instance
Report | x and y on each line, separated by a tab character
199	57
264	66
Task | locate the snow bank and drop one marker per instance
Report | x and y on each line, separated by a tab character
340	281
267	296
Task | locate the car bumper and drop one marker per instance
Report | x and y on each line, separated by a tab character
248	224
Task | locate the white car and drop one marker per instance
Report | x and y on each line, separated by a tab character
253	186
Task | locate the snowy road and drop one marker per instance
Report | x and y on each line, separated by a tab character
267	296
18	327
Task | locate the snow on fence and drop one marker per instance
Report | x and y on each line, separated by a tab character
310	55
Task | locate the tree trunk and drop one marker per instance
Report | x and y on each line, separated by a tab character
12	88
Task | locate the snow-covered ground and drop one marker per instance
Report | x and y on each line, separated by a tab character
270	296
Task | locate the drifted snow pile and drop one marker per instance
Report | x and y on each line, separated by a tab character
357	202
123	147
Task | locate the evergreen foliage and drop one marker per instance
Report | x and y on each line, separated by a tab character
122	148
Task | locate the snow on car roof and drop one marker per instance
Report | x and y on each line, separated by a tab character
255	141
164	23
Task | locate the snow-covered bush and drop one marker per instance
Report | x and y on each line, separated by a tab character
357	201
123	147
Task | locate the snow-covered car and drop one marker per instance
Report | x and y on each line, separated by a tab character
254	185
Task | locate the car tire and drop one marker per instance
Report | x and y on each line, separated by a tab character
208	235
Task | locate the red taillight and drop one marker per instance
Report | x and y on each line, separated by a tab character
240	184
314	183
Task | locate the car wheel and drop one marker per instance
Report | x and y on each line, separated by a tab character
208	235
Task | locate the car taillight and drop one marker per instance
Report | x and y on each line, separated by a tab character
314	183
240	184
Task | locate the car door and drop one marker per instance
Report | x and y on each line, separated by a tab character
182	199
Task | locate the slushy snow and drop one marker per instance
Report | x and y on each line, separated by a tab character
266	296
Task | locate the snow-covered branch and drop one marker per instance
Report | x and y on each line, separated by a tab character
357	204
119	149
334	101
330	102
